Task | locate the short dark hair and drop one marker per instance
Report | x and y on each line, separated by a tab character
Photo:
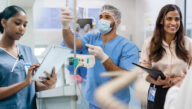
8	12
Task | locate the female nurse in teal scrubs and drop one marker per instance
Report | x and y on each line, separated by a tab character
17	64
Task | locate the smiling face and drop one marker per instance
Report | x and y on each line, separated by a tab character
171	22
15	26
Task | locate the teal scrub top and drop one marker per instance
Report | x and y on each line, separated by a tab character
24	99
121	51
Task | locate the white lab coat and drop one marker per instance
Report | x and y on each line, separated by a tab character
180	98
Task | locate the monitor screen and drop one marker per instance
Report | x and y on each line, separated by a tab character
83	22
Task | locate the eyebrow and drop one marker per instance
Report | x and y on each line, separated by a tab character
108	15
21	20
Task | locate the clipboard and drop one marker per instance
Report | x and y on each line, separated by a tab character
55	57
152	72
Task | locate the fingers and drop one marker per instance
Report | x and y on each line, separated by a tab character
45	81
33	67
159	78
166	86
91	51
163	82
66	14
48	75
65	11
178	79
159	81
65	18
169	81
94	49
90	46
169	84
52	79
53	73
53	76
151	79
35	64
30	72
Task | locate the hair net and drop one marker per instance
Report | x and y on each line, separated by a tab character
116	14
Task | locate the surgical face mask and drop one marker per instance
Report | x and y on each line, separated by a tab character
104	26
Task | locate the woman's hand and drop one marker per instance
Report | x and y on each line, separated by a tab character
164	82
30	73
50	82
177	80
180	81
174	80
159	81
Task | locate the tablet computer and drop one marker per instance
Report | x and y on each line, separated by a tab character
152	72
55	57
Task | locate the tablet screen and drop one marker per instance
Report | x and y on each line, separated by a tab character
56	57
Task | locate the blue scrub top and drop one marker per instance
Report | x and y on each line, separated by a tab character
24	99
82	71
121	51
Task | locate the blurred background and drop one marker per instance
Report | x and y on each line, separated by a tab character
137	23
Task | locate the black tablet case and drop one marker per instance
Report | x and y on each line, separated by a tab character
152	72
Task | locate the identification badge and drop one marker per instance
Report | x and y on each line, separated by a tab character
151	95
27	65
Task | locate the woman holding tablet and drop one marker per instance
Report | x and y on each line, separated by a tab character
17	64
168	50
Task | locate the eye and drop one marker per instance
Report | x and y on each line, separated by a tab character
177	19
17	23
169	18
100	17
25	25
107	16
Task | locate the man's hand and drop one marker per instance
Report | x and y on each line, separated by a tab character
97	52
65	18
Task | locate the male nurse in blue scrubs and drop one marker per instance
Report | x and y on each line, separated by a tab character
112	51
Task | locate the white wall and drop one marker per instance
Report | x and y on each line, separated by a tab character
3	4
127	8
47	37
139	31
189	17
146	15
138	16
29	38
126	28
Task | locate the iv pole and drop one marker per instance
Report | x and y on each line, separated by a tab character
74	26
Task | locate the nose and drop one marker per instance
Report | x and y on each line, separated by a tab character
173	22
21	28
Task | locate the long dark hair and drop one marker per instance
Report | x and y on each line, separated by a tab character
8	12
156	49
